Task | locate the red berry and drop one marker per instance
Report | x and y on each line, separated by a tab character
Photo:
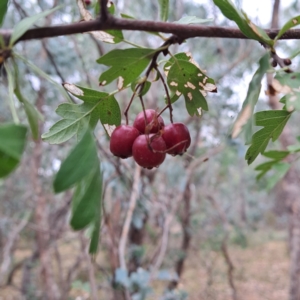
87	2
122	139
154	123
177	138
145	156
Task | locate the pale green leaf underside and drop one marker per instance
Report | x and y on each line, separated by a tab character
192	20
288	25
246	26
26	23
244	120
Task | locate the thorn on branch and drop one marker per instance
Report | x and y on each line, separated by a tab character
104	14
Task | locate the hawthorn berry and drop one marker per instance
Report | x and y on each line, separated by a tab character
122	139
149	150
154	123
177	138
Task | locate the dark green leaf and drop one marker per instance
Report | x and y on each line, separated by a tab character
79	163
164	9
12	144
288	25
127	64
3	10
87	200
245	117
97	224
109	114
146	88
276	155
246	26
26	23
273	122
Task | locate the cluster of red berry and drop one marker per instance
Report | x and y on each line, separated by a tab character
148	140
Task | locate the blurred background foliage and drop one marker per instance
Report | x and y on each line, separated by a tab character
225	200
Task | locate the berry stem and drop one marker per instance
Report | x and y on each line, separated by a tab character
129	104
167	94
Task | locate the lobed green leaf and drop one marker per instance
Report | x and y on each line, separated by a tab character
78	117
184	77
127	64
273	122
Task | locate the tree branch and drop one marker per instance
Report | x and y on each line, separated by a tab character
181	30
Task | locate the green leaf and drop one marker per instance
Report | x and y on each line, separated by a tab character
97	223
32	114
244	120
44	75
109	114
116	34
192	20
186	78
249	29
280	169
12	144
78	117
87	199
288	25
77	165
3	10
294	148
146	88
289	85
276	155
127	64
61	131
273	122
164	9
26	23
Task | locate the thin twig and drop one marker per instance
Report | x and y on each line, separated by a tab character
167	95
132	202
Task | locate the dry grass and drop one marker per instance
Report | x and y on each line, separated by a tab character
261	274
